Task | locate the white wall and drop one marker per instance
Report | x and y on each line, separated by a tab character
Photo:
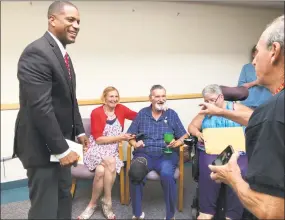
132	45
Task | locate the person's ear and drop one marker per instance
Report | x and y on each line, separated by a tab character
150	98
52	20
275	52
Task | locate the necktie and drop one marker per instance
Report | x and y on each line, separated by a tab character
66	59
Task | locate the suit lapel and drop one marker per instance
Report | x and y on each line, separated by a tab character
60	58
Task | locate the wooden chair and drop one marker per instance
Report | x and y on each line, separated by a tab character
82	172
153	175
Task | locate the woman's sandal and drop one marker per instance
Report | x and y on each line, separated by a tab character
87	213
107	210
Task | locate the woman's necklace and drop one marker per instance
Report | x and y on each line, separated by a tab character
110	115
279	89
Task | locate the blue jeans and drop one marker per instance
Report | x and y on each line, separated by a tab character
165	166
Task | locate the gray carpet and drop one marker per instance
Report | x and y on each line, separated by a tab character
153	203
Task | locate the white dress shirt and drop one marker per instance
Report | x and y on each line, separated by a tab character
63	51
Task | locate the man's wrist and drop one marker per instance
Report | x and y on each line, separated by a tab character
237	183
82	134
221	112
60	156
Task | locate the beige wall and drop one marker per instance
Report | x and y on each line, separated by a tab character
132	45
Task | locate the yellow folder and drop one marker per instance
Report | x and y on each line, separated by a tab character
217	139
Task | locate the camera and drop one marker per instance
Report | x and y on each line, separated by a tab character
191	141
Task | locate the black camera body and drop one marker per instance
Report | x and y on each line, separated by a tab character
140	137
191	141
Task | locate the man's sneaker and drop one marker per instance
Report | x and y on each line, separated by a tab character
141	217
171	219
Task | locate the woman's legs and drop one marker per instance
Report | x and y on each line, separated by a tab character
234	207
98	185
208	189
109	164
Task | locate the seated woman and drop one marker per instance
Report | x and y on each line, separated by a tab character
208	189
107	123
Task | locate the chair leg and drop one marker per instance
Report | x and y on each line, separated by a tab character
127	197
73	187
181	179
180	192
122	186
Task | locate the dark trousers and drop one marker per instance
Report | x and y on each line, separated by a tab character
209	189
49	190
165	166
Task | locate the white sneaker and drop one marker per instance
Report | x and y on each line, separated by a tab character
141	217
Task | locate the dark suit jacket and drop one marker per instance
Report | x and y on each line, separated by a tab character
48	106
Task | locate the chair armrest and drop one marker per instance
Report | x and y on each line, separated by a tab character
181	159
121	153
181	153
129	155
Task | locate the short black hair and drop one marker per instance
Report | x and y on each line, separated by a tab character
57	7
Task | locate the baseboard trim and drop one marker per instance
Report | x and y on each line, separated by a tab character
14	184
24	182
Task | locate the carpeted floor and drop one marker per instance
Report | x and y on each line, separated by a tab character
153	203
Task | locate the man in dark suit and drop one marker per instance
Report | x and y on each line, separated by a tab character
49	114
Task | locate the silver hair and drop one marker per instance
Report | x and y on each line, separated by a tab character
274	32
212	89
154	87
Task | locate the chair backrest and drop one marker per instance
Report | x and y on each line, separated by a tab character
87	126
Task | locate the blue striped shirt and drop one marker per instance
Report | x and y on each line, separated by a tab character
154	129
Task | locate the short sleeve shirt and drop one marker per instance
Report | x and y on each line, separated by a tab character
154	129
265	147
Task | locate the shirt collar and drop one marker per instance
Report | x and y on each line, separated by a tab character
61	47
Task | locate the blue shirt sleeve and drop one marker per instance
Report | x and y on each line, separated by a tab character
179	129
134	127
242	78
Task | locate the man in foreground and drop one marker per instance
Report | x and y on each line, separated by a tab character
49	114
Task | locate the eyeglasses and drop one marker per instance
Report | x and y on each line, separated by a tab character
213	101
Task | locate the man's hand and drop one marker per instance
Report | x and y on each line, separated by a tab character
84	140
229	173
69	159
139	144
210	109
175	143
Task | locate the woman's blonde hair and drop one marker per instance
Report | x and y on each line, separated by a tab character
106	91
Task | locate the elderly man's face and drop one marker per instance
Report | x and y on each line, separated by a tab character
158	99
268	62
262	62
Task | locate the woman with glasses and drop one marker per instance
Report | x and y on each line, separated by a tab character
208	189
